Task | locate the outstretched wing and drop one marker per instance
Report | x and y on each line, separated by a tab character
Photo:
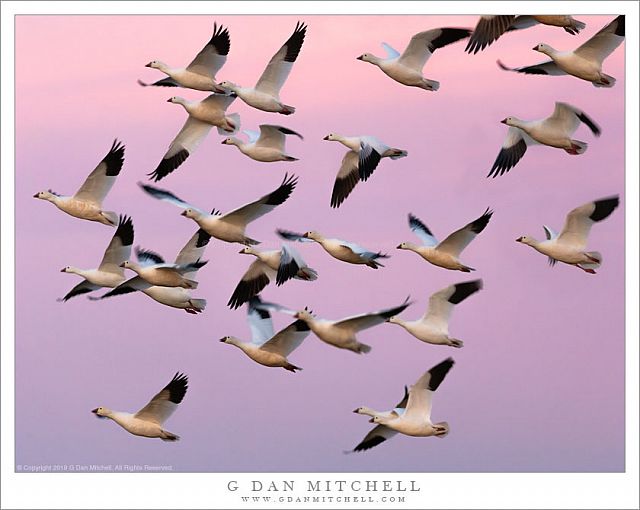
249	212
119	248
424	44
99	182
441	303
488	29
422	231
82	288
162	406
213	56
420	394
288	339
548	67
347	178
601	45
460	239
368	320
279	67
580	220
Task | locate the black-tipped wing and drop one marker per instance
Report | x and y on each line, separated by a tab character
488	29
280	65
288	339
580	220
368	320
182	146
247	213
165	82
420	394
119	248
100	181
422	231
82	288
347	178
460	239
165	402
167	196
148	257
549	68
256	278
441	303
368	160
423	44
513	148
213	56
601	45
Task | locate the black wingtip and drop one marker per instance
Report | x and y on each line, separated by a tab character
168	165
114	158
177	387
604	207
439	372
125	230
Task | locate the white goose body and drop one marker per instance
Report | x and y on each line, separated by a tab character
86	204
97	277
424	332
148	421
209	112
569	246
265	358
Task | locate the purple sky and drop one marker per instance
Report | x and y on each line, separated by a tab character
542	370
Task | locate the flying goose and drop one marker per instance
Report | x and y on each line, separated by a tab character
342	333
265	95
175	297
569	246
279	265
379	433
445	254
267	145
86	204
554	131
490	28
153	270
433	326
148	421
200	74
203	115
266	348
109	273
229	227
407	68
339	249
585	62
416	420
358	163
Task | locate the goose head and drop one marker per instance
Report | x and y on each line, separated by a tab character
247	250
511	121
176	100
69	269
227	86
230	340
304	315
543	48
315	236
101	412
230	141
332	137
190	213
393	320
156	64
403	246
368	57
45	195
530	241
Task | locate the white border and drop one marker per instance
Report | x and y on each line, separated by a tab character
209	490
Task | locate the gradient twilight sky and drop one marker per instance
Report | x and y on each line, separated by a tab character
542	370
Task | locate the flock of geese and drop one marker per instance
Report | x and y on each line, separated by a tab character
172	283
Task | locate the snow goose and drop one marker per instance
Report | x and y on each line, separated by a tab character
445	254
267	145
266	348
407	68
148	421
175	297
200	74
109	273
585	62
153	270
554	131
490	28
229	227
569	246
203	115
86	204
433	326
339	249
379	433
279	265
265	95
358	163
342	333
416	420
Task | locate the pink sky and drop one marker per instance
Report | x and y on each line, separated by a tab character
542	369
